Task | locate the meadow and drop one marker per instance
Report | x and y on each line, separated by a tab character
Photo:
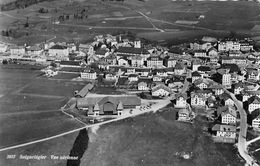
240	16
156	139
30	106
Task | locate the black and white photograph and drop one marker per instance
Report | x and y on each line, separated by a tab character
129	82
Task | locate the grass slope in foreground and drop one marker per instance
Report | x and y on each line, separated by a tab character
153	140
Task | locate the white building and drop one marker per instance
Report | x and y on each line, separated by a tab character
225	133
181	101
143	86
3	48
161	90
195	76
59	51
183	115
154	62
253	103
88	74
197	99
256	122
229	115
17	50
226	79
229	46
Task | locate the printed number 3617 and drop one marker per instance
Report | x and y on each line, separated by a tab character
10	156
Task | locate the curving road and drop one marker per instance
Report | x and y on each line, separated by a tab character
242	144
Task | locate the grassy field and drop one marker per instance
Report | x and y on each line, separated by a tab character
217	16
254	146
151	139
30	106
53	87
58	146
155	139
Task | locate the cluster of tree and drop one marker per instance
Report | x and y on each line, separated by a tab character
79	147
79	15
13	33
20	4
42	10
63	17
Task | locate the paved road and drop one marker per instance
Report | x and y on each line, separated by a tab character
253	140
242	144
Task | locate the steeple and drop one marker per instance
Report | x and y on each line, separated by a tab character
120	106
96	107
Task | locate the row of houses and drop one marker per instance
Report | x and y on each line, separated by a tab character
224	45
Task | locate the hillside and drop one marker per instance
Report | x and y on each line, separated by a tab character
83	19
153	140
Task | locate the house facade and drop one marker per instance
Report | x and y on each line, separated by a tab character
229	116
224	133
154	62
198	100
256	123
181	101
161	91
59	51
107	106
253	103
17	50
88	74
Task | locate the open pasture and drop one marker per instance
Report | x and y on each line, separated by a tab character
228	16
52	87
30	106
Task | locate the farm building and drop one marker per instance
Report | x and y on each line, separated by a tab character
109	105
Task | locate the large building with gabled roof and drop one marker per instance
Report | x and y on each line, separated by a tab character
109	105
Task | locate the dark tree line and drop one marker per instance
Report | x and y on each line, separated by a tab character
42	10
13	33
20	4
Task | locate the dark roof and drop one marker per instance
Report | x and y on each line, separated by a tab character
159	70
146	80
132	50
224	96
233	67
196	74
84	91
70	63
204	68
155	58
128	100
59	47
222	127
73	69
178	66
142	69
255	113
122	81
133	75
101	52
254	100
